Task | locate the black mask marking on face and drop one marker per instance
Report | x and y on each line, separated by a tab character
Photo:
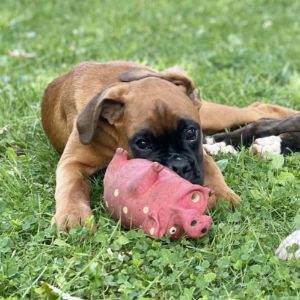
179	149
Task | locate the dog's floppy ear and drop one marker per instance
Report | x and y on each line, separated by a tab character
176	75
179	77
108	104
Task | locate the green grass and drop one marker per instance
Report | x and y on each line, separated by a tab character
237	52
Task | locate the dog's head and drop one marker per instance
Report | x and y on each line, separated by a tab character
157	117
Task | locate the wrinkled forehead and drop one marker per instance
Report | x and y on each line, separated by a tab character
158	105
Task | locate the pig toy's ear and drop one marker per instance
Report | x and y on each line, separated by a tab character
120	157
151	225
146	179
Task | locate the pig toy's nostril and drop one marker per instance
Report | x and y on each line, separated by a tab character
193	223
203	230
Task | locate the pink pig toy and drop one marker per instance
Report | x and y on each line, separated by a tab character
147	195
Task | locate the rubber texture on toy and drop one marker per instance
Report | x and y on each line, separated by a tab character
144	194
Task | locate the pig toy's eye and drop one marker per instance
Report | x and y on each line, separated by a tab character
196	197
172	230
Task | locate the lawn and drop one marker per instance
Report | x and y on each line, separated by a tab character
237	52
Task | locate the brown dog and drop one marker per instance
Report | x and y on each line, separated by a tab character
93	109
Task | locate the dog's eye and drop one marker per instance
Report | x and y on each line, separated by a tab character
143	144
191	134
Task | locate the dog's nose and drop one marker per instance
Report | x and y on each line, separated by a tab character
180	165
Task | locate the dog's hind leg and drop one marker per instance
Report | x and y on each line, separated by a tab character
287	129
217	117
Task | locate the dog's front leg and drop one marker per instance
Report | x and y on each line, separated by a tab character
72	188
214	179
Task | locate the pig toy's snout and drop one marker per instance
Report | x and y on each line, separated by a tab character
205	224
196	226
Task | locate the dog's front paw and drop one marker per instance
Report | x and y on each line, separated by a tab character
69	217
290	246
227	195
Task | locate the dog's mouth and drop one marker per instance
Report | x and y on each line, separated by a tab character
185	168
196	180
179	149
